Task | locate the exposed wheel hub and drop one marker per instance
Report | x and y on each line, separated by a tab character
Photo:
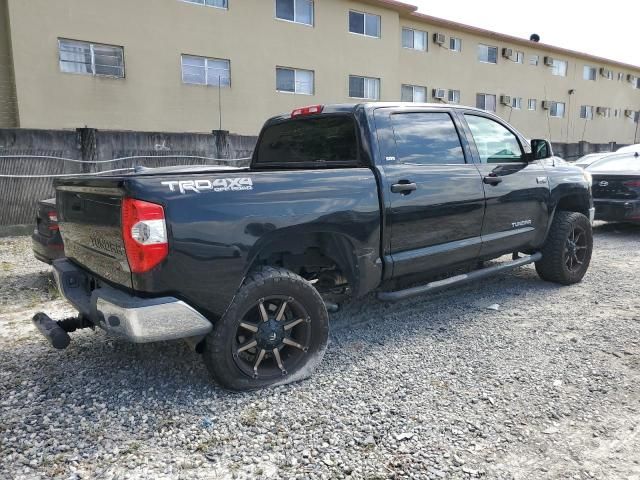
270	334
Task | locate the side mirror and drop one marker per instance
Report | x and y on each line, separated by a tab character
540	149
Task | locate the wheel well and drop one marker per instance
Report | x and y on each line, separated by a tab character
327	259
574	203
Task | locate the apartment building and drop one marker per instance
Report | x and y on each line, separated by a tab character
200	65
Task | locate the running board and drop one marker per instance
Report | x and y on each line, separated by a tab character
457	280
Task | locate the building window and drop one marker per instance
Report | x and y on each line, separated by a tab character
586	112
533	104
604	111
364	87
616	113
519	57
559	68
608	74
637	82
209	3
293	80
487	54
589	73
91	58
516	103
620	76
414	39
534	60
557	109
364	24
486	101
455	44
298	11
454	96
414	93
214	72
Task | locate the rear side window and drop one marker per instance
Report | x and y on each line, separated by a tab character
320	140
427	139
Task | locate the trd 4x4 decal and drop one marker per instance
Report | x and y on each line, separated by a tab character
216	185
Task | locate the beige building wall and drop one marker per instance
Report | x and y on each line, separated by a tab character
8	108
154	33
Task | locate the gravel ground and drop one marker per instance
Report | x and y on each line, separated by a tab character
546	386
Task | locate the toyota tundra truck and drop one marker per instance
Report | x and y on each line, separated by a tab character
338	201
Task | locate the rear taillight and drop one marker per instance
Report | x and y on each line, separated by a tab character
52	216
145	234
632	183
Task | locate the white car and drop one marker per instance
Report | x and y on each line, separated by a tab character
584	162
629	148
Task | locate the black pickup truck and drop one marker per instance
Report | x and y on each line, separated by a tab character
339	200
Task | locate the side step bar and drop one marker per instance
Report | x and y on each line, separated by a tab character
457	280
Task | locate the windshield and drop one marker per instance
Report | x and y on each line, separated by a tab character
626	163
324	140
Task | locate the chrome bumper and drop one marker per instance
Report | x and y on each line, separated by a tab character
139	320
592	215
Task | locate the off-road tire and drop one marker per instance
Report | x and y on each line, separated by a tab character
218	352
553	265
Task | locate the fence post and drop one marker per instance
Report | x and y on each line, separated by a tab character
221	140
87	143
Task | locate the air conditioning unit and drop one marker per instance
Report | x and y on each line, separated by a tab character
439	38
505	100
439	93
629	113
548	61
546	104
601	110
507	52
605	73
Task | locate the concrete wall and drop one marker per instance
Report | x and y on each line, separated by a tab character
18	196
154	33
8	107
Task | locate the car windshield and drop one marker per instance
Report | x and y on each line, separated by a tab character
623	164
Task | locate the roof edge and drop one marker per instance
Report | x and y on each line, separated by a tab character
411	12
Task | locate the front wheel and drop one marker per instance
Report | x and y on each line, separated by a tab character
275	332
567	252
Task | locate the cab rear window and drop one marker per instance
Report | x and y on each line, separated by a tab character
324	140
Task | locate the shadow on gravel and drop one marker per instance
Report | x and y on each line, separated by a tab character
170	371
618	229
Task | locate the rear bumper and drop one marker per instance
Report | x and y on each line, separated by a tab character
47	249
617	210
139	320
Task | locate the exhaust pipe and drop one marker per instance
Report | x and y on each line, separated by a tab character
52	331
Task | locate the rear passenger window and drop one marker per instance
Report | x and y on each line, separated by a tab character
426	139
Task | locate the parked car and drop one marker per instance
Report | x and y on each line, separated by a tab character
616	187
585	161
46	240
629	149
338	199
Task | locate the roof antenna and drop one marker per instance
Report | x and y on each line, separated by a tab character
534	37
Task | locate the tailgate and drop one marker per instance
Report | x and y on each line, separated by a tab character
89	219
